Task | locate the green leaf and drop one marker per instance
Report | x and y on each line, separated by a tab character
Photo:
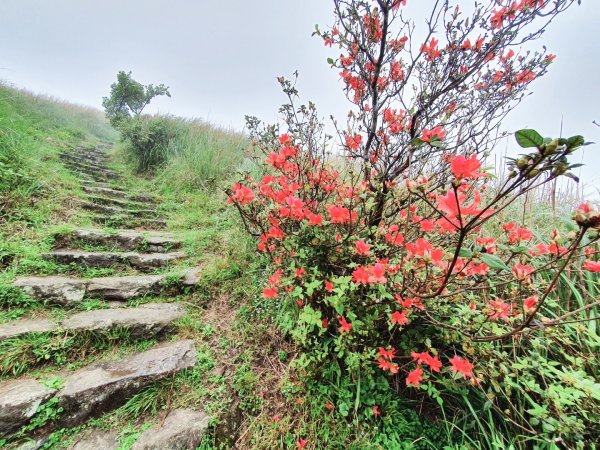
465	253
575	141
330	61
494	262
529	138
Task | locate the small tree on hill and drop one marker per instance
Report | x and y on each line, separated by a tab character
129	97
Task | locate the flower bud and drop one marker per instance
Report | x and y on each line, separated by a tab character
587	216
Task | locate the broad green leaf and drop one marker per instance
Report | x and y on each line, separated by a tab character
494	262
529	138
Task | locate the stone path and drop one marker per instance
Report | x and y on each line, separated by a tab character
141	245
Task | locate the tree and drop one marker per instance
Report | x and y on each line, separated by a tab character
129	97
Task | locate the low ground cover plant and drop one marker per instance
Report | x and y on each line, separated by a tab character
393	265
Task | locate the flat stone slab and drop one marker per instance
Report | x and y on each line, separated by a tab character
125	288
102	387
26	326
19	400
182	429
144	321
95	389
117	202
149	261
129	221
105	189
97	440
64	290
140	261
155	241
118	210
61	290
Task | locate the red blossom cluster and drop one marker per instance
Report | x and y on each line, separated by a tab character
384	239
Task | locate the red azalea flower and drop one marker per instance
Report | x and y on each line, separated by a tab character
530	302
466	167
339	214
415	377
399	318
315	219
360	275
328	286
345	327
377	274
270	292
591	266
522	272
302	443
376	411
437	133
462	365
362	248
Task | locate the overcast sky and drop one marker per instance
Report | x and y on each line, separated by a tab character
220	59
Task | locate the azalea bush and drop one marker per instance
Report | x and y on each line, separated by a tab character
386	259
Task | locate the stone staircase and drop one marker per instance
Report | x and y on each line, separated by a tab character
139	245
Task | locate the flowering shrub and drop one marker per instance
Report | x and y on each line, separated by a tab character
383	256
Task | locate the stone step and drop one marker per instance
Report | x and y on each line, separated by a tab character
116	202
86	160
182	429
103	190
140	261
144	321
92	390
96	440
90	169
114	210
150	241
70	291
129	222
93	183
100	178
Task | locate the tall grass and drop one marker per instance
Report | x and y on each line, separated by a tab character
183	154
33	130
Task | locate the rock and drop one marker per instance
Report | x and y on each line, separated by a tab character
70	291
192	276
92	183
141	261
19	400
105	189
183	429
63	290
97	440
124	221
124	288
86	259
34	444
108	201
142	322
149	261
102	387
118	211
124	239
25	326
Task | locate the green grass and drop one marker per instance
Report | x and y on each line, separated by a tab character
186	154
56	349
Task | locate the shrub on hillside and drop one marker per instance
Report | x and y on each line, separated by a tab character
148	139
382	263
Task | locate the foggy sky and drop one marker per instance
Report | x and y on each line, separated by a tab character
221	59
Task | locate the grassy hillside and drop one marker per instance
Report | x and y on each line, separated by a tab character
248	378
33	130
